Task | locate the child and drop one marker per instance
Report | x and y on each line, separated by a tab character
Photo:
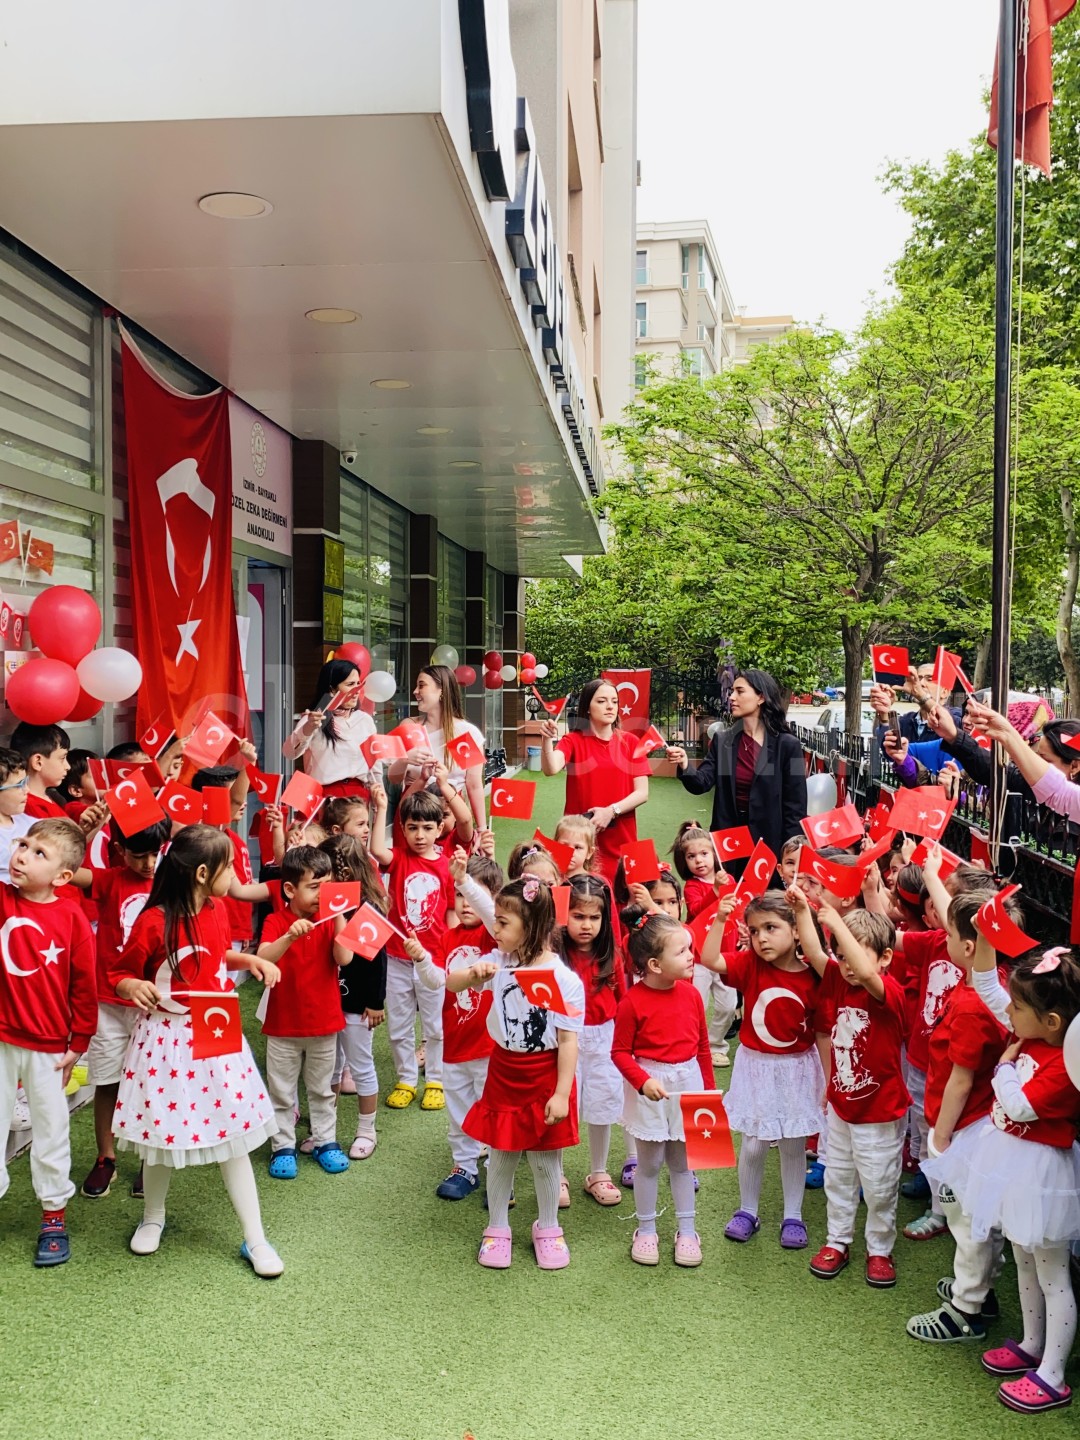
579	832
467	1043
965	1046
777	1084
539	863
867	1097
696	861
529	1101
239	900
588	945
48	1012
303	1014
348	815
524	851
44	749
178	949
789	859
363	992
661	1048
77	789
1023	1170
14	820
421	904
120	895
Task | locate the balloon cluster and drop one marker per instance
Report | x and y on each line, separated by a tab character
71	681
379	685
525	672
448	656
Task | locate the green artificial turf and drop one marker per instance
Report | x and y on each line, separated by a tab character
384	1326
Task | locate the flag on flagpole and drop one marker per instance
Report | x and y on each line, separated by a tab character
1034	85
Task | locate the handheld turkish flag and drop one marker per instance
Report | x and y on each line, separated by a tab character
382	747
949	670
217	805
157	738
98	770
650	740
996	927
633	687
640	863
208	742
706	1131
541	989
924	811
560	894
40	554
366	933
701	924
302	794
10	548
215	1024
754	880
873	852
980	849
563	855
842	826
890	664
513	799
734	843
338	897
1034	85
264	834
342	697
879	822
412	735
181	804
465	751
553	707
949	861
132	804
266	787
843	881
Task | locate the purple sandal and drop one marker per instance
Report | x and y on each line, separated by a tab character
793	1235
742	1226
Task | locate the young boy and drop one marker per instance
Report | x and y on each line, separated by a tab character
303	1013
467	1045
14	820
120	894
422	905
48	1012
239	900
44	749
867	1097
965	1047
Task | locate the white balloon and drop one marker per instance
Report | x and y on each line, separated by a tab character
445	655
541	672
380	686
380	656
820	794
109	674
509	672
1071	1050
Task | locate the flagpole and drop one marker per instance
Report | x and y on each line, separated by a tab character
1001	591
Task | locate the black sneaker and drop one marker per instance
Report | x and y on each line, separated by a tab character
99	1180
137	1186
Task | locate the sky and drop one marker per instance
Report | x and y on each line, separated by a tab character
772	119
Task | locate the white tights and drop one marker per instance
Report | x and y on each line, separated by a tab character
651	1156
546	1167
752	1156
1048	1306
239	1182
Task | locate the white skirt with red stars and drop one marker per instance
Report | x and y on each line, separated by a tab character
172	1109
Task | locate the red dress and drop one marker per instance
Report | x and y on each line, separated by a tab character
598	773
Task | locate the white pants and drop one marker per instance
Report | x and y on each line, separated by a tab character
464	1084
50	1145
725	1001
869	1156
977	1263
404	995
286	1057
356	1049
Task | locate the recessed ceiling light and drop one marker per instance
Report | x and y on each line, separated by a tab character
331	315
232	205
434	430
464	464
486	490
392	384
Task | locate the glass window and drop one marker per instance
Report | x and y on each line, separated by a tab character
451	625
640	372
493	699
642	268
706	278
641	309
685	266
375	534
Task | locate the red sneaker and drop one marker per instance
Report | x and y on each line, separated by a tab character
828	1262
880	1272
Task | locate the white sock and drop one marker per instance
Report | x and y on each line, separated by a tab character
647	1183
155	1191
546	1166
1052	1264
752	1156
239	1180
501	1168
682	1187
365	1124
793	1176
599	1147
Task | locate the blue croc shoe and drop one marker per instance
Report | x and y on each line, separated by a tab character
53	1247
916	1187
815	1175
458	1185
283	1165
331	1157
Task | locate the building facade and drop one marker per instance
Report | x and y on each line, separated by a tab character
683	307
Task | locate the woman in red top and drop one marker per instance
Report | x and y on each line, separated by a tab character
605	777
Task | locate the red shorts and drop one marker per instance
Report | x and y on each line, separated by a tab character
510	1113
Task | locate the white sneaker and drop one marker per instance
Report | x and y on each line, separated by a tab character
263	1259
20	1115
147	1237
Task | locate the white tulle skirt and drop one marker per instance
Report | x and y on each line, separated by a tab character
599	1084
776	1097
660	1119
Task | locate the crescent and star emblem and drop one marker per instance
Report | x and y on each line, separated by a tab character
16	922
759	1018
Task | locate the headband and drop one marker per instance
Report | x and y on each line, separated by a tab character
909	896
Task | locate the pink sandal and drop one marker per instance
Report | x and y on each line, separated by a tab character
1008	1359
495	1248
1031	1395
552	1251
645	1249
602	1189
688	1250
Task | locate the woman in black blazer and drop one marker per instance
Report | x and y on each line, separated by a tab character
755	769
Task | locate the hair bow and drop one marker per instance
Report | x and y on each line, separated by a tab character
665	868
643	920
1050	961
530	889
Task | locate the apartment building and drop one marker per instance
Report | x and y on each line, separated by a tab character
683	308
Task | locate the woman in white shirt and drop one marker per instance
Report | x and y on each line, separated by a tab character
330	743
442	714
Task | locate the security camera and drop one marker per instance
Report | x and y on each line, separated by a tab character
348	457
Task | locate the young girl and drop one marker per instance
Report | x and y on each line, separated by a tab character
529	1101
363	994
579	832
696	861
539	863
661	1048
777	1084
348	815
519	856
172	1109
1021	1170
588	943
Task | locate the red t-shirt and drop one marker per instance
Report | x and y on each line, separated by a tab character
120	896
602	772
42	808
240	911
465	1032
48	989
926	958
697	894
779	1006
201	948
664	1025
1040	1069
307	998
601	1001
969	1036
421	892
866	1085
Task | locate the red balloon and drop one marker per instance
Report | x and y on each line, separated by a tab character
85	708
527	675
43	692
65	623
527	661
358	654
466	675
493	661
492	680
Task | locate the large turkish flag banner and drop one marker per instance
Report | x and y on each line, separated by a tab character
633	687
180	494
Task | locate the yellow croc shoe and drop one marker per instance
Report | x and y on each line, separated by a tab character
433	1099
401	1096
